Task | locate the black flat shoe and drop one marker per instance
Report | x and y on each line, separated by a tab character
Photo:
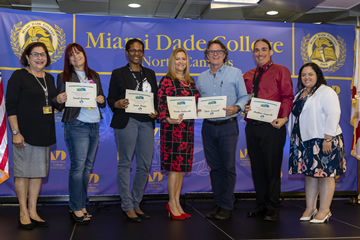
212	213
39	224
29	226
272	215
143	216
257	212
130	219
223	214
79	220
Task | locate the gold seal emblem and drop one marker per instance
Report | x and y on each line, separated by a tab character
38	31
325	50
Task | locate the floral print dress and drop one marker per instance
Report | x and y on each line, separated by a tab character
308	158
176	140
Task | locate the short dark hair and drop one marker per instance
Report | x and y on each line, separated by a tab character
263	40
216	41
131	41
23	60
320	79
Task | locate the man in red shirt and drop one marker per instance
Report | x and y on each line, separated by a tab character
265	141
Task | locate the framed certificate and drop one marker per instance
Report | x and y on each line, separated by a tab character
181	105
212	107
80	94
139	102
263	110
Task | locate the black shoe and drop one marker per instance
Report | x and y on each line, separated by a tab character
223	214
272	215
143	216
130	219
257	212
29	226
213	212
79	220
39	224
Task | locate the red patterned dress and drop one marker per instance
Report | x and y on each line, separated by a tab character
176	140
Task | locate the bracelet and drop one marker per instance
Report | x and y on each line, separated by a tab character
328	139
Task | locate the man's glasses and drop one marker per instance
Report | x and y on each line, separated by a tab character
36	54
133	51
217	52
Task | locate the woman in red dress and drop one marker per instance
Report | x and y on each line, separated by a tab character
177	135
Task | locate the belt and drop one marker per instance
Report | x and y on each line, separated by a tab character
221	121
256	123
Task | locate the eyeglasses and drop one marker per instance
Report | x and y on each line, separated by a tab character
36	54
218	52
133	51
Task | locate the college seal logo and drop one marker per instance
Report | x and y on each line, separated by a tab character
38	31
325	50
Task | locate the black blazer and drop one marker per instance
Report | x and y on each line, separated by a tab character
71	113
122	79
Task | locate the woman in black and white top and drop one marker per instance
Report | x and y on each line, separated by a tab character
31	117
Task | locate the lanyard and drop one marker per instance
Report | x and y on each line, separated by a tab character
45	89
257	79
138	83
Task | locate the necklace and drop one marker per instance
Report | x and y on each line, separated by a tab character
45	89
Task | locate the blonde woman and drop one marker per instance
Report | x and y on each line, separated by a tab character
177	135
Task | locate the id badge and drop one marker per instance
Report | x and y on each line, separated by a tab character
47	110
251	95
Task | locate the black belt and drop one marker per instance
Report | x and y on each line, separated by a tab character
221	121
256	123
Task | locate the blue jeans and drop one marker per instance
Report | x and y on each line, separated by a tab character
220	143
139	137
82	140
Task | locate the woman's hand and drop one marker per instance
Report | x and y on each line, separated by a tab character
154	115
122	103
326	147
18	141
175	121
100	99
61	98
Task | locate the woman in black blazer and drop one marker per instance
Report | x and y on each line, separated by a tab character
81	128
133	131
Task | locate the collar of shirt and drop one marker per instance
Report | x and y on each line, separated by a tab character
266	65
221	70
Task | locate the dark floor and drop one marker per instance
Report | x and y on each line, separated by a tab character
108	222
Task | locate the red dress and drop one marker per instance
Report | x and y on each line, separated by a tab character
176	140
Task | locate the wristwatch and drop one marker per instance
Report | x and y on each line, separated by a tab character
239	108
15	131
328	139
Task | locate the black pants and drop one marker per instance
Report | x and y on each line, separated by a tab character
265	147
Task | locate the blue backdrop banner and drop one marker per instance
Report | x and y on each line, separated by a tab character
104	39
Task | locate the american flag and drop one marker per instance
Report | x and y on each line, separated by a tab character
355	96
4	151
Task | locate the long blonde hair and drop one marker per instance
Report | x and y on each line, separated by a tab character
171	68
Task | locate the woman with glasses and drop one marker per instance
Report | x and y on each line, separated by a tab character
81	128
134	132
31	117
176	135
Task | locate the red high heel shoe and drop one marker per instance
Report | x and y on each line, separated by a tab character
173	217
186	215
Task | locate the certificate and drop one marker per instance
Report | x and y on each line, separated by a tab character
139	102
212	107
181	105
263	110
80	94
